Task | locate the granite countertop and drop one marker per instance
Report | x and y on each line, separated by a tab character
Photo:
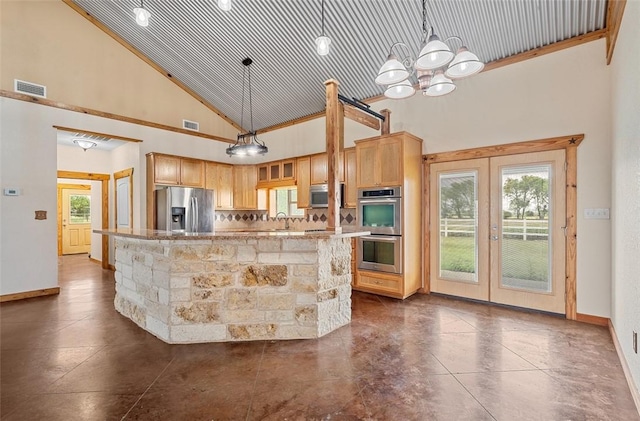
230	234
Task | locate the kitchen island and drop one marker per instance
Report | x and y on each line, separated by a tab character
233	285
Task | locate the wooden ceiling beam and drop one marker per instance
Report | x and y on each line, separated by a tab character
111	136
615	10
89	111
358	116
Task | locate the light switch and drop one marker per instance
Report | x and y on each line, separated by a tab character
596	213
11	191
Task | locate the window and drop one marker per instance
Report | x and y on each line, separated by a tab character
285	200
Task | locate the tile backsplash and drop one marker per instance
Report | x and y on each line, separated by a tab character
250	219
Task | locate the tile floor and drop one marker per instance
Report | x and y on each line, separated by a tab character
72	357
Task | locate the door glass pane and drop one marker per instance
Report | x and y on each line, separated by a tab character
79	209
526	251
458	198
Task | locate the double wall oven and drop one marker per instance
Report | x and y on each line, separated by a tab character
380	211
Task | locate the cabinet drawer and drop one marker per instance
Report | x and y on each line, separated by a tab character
382	283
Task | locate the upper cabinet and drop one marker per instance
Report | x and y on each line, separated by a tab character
380	161
277	172
319	172
350	190
219	177
303	181
320	168
177	171
245	194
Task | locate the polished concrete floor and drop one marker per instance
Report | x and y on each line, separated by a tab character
72	357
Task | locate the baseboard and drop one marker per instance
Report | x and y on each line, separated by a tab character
592	320
625	368
113	268
95	260
29	294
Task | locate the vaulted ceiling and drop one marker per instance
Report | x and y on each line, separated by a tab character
202	47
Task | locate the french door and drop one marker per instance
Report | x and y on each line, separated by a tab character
497	229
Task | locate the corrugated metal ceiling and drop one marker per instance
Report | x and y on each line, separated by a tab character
203	47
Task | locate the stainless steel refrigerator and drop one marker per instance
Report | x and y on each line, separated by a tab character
185	209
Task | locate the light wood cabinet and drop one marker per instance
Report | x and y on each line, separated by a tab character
389	161
350	189
245	195
177	171
320	171
277	173
288	170
379	162
380	283
219	177
303	181
263	173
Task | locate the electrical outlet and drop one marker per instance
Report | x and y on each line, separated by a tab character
635	342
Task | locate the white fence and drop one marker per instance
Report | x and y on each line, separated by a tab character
524	229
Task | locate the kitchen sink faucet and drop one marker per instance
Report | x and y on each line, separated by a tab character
286	221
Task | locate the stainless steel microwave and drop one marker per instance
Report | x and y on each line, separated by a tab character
319	195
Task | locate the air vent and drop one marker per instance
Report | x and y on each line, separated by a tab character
191	125
29	88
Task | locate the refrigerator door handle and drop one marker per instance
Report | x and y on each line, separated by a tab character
197	216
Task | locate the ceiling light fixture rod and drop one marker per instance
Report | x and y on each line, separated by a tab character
361	106
323	42
247	143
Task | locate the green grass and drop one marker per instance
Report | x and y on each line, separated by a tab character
522	259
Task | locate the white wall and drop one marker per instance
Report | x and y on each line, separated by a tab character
29	160
625	110
558	94
28	247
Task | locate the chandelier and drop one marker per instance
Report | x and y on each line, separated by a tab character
247	143
436	66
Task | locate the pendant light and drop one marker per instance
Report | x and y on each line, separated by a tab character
142	15
247	144
323	41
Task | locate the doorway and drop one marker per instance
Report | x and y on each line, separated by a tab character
498	229
104	185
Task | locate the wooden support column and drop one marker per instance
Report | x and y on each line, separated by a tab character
386	124
571	230
335	143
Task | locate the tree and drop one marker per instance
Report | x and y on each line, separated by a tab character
80	207
518	196
526	190
458	198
